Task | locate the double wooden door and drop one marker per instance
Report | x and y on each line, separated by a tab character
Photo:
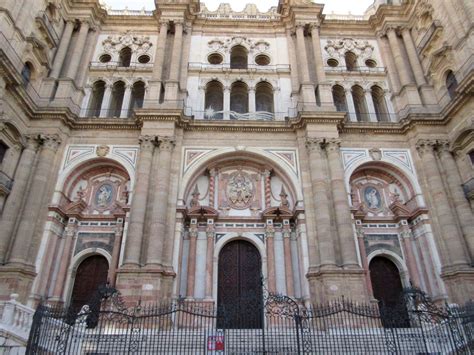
239	295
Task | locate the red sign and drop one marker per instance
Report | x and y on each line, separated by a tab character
215	343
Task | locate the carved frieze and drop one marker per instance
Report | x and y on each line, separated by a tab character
337	48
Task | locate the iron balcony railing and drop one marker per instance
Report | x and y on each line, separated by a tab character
358	70
249	67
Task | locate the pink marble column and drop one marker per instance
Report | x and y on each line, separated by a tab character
193	235
269	237
212	186
290	289
411	261
70	235
268	188
209	258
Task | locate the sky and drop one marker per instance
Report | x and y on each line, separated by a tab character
356	7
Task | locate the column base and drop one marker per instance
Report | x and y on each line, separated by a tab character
428	95
409	96
308	95
459	284
16	279
68	95
147	285
171	93
153	97
330	284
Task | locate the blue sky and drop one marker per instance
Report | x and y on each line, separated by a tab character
356	7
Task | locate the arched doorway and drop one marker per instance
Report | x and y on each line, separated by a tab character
90	274
239	295
388	290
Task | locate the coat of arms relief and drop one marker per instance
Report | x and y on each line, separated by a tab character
240	190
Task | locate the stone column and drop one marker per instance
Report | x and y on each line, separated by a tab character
447	223
290	288
388	59
402	70
85	102
270	241
413	57
209	258
324	90
350	105
155	82
24	239
363	256
105	107
116	252
190	282
293	62
306	86
226	103
407	245
268	188
175	63
13	205
390	110
326	247
125	109
86	57
78	50
370	106
70	236
160	202
461	204
133	244
62	50
212	186
341	205
252	103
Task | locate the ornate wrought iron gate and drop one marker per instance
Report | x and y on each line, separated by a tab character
180	327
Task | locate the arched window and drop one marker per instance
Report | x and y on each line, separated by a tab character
351	61
380	106
471	156
26	73
264	97
239	97
125	57
359	103
238	58
214	100
451	84
138	95
118	91
339	97
98	90
3	151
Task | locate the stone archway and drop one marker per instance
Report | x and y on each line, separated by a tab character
239	295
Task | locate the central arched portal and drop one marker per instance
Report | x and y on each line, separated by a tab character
239	295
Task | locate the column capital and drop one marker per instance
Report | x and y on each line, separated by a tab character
193	231
147	143
314	144
424	146
314	26
31	141
50	141
269	231
333	145
300	25
163	22
210	229
166	143
443	146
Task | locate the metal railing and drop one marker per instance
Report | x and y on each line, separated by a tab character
359	70
262	324
116	65
252	67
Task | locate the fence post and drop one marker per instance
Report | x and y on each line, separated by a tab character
34	337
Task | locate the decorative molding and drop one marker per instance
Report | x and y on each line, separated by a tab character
288	156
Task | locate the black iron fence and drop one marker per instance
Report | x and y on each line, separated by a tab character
275	325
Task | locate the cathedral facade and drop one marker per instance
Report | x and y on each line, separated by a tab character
189	153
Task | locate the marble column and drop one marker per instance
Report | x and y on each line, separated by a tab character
156	79
226	103
212	186
191	280
105	107
449	235
413	57
295	81
461	204
78	50
209	258
370	106
13	205
268	188
125	109
402	70
341	205
350	105
62	50
24	239
388	59
270	243
252	103
290	289
318	162
363	256
65	259
307	87
134	241
172	85
407	244
158	228
116	252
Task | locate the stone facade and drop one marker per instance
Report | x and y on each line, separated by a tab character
152	139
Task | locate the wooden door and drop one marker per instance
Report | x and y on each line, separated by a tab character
90	274
388	290
239	296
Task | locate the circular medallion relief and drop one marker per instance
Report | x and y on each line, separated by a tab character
240	190
103	195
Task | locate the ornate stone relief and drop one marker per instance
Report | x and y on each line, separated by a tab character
225	45
240	190
138	44
337	48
